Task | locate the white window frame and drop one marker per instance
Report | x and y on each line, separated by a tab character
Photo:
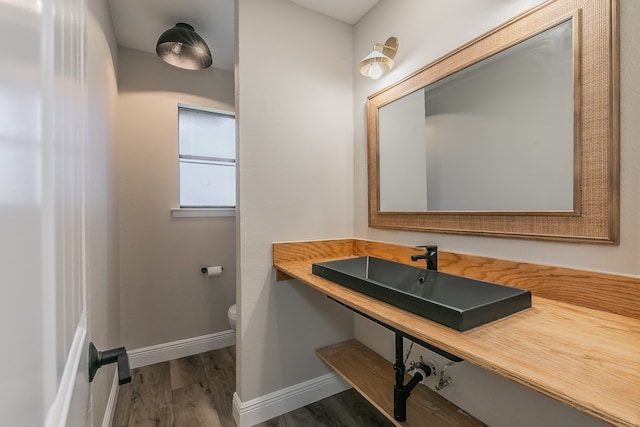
202	212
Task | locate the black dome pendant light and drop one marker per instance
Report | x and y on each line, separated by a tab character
182	47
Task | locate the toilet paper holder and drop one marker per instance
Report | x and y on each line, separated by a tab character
205	270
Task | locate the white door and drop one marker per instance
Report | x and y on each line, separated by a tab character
43	310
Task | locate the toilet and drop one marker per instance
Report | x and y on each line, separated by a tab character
231	314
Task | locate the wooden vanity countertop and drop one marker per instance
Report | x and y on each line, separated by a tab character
586	358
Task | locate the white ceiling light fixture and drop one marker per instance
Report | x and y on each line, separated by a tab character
380	60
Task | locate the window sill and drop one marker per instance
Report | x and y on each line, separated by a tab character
202	212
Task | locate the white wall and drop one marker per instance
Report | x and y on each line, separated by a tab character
101	203
164	297
295	169
426	31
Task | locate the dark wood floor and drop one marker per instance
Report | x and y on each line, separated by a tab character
198	391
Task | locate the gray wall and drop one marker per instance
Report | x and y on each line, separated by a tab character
164	297
401	143
295	173
428	30
101	203
500	136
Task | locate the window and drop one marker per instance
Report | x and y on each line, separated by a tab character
207	155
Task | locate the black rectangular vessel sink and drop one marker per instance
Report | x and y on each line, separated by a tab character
458	302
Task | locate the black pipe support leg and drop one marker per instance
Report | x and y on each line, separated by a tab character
399	404
401	391
400	396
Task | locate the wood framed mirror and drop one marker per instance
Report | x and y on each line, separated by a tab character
515	134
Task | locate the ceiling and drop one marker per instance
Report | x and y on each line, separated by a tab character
139	23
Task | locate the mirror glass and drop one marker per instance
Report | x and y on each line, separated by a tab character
494	136
514	134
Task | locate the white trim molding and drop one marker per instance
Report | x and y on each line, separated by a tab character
209	109
176	349
280	402
202	212
59	410
110	410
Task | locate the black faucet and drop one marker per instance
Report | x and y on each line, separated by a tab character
430	255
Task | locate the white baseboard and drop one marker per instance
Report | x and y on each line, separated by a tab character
247	414
174	350
111	403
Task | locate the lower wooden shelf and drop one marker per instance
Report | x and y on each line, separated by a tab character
373	377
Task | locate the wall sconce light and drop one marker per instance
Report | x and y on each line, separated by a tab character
380	60
182	47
